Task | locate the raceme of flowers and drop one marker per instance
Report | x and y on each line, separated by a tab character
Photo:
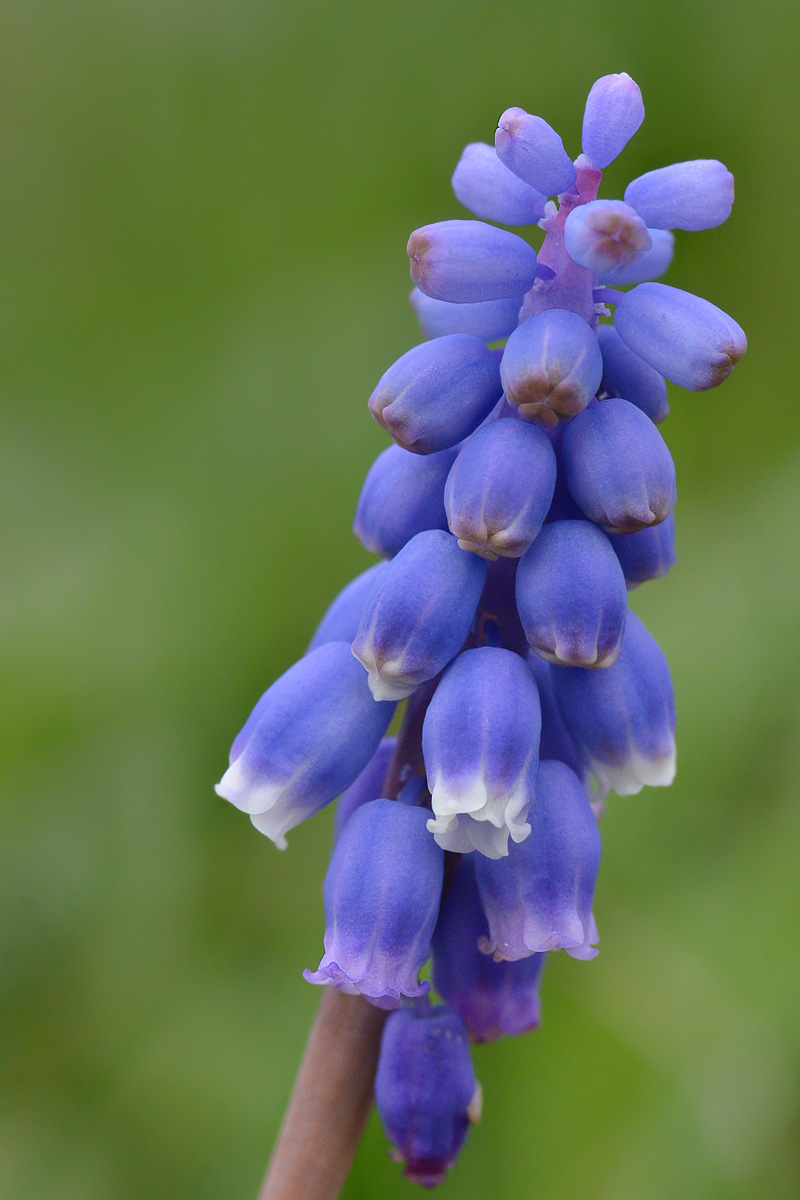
526	491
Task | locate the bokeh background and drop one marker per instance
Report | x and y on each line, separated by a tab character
205	209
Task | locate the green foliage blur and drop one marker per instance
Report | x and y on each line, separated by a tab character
205	209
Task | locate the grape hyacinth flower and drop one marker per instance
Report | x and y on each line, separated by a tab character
527	492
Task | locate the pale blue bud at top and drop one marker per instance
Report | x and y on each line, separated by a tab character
306	740
341	621
605	236
623	720
540	897
614	111
555	741
687	195
530	148
685	338
382	893
492	998
648	554
490	320
571	596
492	192
551	366
426	1092
630	377
437	393
402	495
469	261
651	265
480	742
500	488
618	467
418	617
367	786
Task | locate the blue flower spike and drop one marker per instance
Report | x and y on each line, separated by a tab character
528	492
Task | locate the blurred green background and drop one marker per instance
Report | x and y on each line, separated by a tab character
205	209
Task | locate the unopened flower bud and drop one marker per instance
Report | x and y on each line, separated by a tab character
426	1092
618	467
530	148
382	893
571	596
402	495
500	487
466	262
437	393
605	236
614	111
648	554
488	189
552	366
419	616
687	195
480	741
685	338
489	320
305	741
540	897
629	377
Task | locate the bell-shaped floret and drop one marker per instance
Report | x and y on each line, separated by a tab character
402	495
652	264
480	742
685	338
341	621
467	262
530	148
623	720
437	393
614	111
492	998
648	554
492	192
369	785
571	596
418	617
540	897
426	1092
551	366
605	236
382	894
305	741
618	467
489	320
686	195
500	488
629	377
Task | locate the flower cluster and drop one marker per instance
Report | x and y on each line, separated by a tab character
527	490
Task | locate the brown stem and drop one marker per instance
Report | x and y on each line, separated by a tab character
330	1102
